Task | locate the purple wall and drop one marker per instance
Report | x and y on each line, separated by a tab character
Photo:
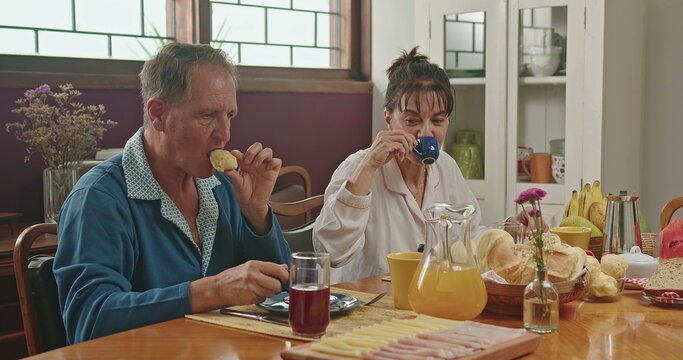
314	130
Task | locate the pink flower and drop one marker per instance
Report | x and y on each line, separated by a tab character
533	212
530	195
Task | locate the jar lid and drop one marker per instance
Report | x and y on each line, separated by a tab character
636	256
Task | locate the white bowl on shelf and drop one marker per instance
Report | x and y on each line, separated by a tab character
544	61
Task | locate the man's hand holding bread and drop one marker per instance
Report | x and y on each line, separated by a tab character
253	182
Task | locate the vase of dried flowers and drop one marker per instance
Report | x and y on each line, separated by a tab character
64	132
57	184
541	300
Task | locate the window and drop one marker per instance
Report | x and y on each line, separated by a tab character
117	29
300	39
290	33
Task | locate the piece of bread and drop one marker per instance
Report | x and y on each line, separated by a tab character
501	257
613	265
594	267
483	244
603	286
581	259
223	160
560	263
667	277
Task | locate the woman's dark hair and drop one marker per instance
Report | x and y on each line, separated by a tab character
412	74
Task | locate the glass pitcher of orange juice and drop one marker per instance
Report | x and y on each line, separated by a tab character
447	282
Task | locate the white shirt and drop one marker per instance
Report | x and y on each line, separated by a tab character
359	231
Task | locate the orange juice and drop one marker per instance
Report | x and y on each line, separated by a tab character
456	293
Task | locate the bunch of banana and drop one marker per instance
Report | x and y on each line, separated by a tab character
588	204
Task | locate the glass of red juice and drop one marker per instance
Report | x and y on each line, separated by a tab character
309	294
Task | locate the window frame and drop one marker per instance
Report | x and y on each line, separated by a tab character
192	22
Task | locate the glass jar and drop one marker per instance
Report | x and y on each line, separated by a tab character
541	304
447	282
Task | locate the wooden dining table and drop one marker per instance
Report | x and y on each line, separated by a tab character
627	329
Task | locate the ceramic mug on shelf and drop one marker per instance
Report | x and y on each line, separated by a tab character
523	153
558	169
540	171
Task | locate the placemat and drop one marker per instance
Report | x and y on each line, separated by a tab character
342	323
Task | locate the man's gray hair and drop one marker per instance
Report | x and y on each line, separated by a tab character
167	74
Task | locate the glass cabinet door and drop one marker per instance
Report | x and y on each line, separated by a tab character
541	94
543	115
468	40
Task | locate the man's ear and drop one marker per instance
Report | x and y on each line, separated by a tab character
155	109
387	117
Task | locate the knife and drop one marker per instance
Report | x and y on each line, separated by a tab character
259	317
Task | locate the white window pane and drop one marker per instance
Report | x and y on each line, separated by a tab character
53	14
291	27
479	37
470	61
232	50
525	18
72	45
17	41
124	47
451	17
311	58
542	17
155	18
450	60
458	36
315	5
324	30
474	17
273	3
109	16
242	23
265	55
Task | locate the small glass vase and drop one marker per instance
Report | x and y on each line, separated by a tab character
57	184
541	304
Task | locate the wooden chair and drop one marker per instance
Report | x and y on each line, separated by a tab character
668	211
299	238
306	179
37	291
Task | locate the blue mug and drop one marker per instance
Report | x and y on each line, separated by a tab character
427	149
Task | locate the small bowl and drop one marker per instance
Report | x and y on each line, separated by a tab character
620	292
573	235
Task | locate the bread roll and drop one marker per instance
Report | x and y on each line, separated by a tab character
594	267
500	255
223	160
604	285
581	258
483	245
613	265
560	263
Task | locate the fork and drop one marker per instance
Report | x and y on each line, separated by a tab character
375	299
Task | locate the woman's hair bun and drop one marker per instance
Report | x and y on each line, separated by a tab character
406	59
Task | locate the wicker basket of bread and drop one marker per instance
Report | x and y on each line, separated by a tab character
496	252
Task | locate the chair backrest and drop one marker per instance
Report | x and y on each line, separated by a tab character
299	238
37	291
668	211
307	187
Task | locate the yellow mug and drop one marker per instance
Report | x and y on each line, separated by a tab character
402	266
573	235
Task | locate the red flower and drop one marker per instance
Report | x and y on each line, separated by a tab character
530	195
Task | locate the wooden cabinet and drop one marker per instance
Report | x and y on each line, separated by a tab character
534	74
